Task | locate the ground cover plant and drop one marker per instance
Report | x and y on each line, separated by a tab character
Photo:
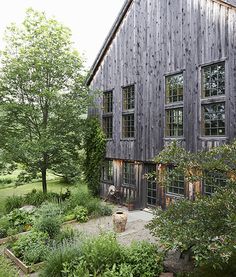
6	269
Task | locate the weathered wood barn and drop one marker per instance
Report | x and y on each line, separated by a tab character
167	71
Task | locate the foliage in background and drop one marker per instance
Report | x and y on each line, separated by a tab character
94	145
42	97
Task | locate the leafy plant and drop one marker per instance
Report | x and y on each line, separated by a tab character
206	226
144	259
94	145
13	202
59	256
4	226
6	269
31	248
81	213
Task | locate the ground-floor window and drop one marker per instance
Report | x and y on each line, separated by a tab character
177	185
128	174
107	171
151	186
212	181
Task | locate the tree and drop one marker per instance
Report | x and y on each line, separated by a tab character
42	96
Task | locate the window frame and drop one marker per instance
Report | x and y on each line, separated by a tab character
107	113
213	100
213	187
175	105
131	175
128	110
106	168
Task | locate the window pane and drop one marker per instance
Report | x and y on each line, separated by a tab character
174	122
107	171
214	119
107	102
174	88
128	126
108	126
128	174
151	187
213	80
176	186
212	181
128	98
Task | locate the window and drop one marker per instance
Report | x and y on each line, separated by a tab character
214	119
176	185
174	122
128	130
107	120
107	171
128	174
213	100
174	88
174	106
151	187
212	181
213	80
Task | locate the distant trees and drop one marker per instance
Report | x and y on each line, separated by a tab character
42	97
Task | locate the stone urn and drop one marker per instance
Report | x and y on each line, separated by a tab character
119	221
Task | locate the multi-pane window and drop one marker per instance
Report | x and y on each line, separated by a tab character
176	183
107	171
213	100
128	174
213	80
174	105
174	88
214	119
174	122
212	181
107	113
151	187
128	125
128	104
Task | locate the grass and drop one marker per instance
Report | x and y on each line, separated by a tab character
53	185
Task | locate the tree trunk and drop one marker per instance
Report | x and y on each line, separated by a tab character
44	179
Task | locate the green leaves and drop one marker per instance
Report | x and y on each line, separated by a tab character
42	96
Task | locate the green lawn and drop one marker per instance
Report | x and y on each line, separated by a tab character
53	185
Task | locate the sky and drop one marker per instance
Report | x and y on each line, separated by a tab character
89	20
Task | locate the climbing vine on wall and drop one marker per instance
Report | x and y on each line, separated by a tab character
94	144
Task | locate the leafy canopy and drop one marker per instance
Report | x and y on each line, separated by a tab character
42	96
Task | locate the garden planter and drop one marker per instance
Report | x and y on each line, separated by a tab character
130	206
13	237
119	221
26	269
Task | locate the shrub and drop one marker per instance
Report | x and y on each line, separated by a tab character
13	202
6	269
36	198
49	220
59	256
81	214
144	259
102	252
122	270
4	226
32	248
67	234
20	220
206	226
5	181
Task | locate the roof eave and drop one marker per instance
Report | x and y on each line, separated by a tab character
108	41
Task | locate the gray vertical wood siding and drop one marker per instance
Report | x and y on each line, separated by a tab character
159	37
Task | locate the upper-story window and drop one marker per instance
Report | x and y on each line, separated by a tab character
128	104
213	80
174	124
213	100
107	117
174	88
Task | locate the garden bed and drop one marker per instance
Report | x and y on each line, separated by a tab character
26	269
9	238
